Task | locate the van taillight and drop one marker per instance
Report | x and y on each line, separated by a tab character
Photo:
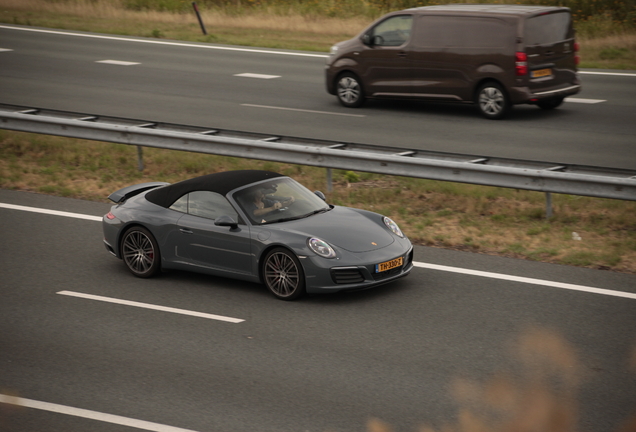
577	59
521	64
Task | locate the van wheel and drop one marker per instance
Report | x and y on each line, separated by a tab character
550	103
493	101
349	90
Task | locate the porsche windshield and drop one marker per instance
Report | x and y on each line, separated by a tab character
279	200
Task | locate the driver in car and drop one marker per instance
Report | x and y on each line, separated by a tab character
262	205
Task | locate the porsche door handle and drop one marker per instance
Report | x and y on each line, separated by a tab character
185	231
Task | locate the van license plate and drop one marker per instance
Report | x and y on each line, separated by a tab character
541	73
379	268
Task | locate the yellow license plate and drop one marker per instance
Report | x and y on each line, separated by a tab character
379	268
541	73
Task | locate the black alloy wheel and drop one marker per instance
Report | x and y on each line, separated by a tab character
283	275
140	252
492	101
349	90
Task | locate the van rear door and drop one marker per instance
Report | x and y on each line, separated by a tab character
549	42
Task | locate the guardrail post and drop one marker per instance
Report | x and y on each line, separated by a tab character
329	180
548	205
140	158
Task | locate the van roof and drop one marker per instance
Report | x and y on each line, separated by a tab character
488	9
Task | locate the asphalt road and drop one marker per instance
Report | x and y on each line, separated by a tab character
197	84
325	363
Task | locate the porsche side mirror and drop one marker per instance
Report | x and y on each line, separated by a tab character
226	221
320	195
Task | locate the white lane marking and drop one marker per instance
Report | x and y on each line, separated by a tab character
93	415
253	75
585	101
5	49
416	264
608	73
527	280
51	212
118	62
303	110
159	42
151	306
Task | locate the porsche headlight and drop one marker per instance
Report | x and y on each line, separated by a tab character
390	224
321	247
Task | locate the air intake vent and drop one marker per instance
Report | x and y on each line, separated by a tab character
347	275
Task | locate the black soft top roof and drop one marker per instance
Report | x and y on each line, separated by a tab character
222	183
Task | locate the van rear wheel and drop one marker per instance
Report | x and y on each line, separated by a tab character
349	90
493	101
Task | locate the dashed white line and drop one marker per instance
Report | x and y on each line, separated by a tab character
151	306
5	49
585	101
88	414
303	110
118	62
254	75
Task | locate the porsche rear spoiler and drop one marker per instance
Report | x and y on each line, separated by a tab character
130	191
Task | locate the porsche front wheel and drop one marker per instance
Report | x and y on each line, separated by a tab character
283	275
140	252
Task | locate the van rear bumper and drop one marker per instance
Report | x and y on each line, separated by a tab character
521	95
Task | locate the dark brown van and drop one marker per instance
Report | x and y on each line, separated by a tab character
492	55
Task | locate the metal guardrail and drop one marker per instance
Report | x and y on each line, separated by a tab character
519	174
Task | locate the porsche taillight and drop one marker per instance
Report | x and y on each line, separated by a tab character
521	64
110	216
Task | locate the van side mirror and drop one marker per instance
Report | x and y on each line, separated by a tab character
320	195
226	221
366	39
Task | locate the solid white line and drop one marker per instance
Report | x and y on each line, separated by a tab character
93	415
51	212
151	306
118	62
416	264
159	42
584	101
303	110
608	73
526	280
253	75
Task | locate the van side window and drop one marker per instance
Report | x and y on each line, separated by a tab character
394	31
462	32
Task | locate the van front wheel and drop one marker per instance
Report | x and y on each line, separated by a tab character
493	101
349	90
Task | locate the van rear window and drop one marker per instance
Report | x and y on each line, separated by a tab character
547	29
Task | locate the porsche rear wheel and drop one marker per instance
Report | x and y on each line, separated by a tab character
140	252
283	275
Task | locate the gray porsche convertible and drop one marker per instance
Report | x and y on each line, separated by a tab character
257	226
